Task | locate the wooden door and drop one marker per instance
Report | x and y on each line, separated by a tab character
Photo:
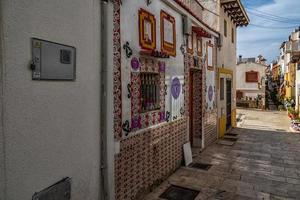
228	103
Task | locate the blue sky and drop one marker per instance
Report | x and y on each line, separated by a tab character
253	40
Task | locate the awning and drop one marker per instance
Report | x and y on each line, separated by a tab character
201	32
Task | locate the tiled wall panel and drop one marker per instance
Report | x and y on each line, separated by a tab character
148	158
210	128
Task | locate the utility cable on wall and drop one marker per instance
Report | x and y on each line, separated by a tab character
266	17
249	8
274	27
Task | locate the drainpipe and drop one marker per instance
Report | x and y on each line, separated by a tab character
103	101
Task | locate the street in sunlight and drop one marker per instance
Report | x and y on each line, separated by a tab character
264	163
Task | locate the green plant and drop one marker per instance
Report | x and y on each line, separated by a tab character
290	110
280	107
292	113
297	119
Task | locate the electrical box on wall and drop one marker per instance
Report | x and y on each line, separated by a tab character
52	61
58	191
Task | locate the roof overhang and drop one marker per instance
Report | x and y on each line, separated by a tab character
236	11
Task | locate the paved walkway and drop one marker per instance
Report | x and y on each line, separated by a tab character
263	164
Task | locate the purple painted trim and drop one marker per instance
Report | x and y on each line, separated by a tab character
210	93
135	63
136	123
162	116
175	88
162	66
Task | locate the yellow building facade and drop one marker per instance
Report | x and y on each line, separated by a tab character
290	78
227	114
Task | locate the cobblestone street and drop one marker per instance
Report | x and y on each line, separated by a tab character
264	163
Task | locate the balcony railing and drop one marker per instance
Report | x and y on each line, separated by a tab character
192	6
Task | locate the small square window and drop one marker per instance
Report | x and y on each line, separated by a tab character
150	90
252	77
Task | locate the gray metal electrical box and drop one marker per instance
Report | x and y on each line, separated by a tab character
58	191
52	61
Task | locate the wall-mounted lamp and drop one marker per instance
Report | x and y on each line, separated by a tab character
149	2
182	48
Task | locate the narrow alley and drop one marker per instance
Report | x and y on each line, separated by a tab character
149	99
264	163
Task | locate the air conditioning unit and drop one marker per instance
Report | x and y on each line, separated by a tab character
220	41
187	25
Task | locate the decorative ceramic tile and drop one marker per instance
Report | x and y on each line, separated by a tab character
141	119
147	157
117	70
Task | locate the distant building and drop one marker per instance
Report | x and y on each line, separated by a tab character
276	72
289	62
250	83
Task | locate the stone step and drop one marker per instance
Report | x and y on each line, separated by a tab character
230	137
226	142
232	134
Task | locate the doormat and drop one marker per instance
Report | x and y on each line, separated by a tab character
202	166
179	193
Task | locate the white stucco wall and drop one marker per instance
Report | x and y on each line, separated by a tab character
211	13
227	57
130	33
227	54
250	89
51	128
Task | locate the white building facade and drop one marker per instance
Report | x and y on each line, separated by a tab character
50	129
99	97
226	17
250	85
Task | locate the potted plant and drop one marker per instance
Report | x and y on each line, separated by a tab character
292	113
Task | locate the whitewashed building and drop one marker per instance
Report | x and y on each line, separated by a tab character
99	97
226	16
164	89
250	86
50	99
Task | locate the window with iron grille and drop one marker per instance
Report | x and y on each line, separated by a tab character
150	90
